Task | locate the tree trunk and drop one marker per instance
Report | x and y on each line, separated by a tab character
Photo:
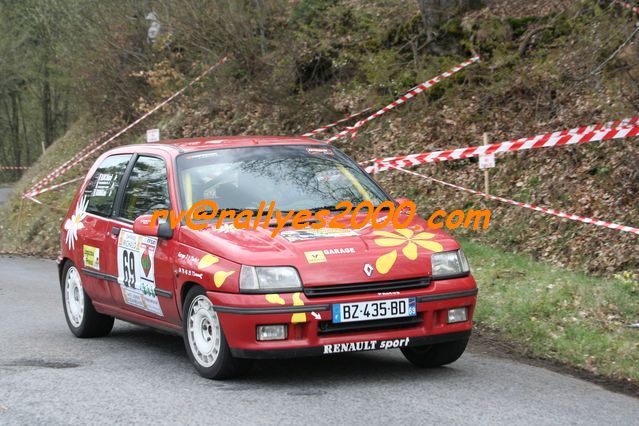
47	119
13	115
25	140
436	12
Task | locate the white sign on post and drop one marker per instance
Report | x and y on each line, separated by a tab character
487	161
152	135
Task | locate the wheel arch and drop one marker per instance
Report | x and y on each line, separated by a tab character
61	266
186	287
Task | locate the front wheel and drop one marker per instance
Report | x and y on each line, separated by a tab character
204	339
82	318
435	355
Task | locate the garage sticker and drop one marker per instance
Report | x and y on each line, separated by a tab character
136	271
91	257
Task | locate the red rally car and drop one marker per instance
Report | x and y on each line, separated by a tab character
241	294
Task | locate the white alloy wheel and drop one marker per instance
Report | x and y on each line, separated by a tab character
74	297
203	331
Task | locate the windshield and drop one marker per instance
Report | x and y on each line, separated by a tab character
296	177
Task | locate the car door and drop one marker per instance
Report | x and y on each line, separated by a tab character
97	202
143	263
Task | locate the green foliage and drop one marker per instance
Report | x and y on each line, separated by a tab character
493	34
384	72
558	314
308	12
398	36
520	25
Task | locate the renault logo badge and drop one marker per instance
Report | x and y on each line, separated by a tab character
368	269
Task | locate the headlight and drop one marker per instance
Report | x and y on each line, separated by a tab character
449	264
271	278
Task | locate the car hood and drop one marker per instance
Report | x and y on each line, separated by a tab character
329	256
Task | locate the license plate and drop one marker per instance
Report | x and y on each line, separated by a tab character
377	309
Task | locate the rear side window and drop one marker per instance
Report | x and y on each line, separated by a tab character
100	193
147	188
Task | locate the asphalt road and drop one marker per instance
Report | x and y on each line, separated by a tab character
136	375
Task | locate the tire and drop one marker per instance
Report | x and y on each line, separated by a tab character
205	341
435	355
82	318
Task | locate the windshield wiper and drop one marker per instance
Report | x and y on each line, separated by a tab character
334	209
329	208
238	209
383	208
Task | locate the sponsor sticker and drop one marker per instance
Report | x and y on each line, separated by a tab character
136	271
368	345
205	155
319	256
188	258
91	257
190	273
315	256
104	185
312	234
346	250
324	151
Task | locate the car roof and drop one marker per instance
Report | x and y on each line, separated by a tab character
218	142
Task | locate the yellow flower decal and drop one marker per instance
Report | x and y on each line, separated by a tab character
220	276
207	260
297	317
409	240
275	299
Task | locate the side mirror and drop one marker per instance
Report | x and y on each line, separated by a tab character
141	226
404	203
402	200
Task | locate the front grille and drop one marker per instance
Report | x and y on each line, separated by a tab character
380	286
328	327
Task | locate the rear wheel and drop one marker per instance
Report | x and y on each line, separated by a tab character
435	355
82	318
204	339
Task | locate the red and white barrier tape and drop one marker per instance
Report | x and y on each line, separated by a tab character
52	187
68	165
54	174
14	167
596	133
545	210
335	123
627	6
410	94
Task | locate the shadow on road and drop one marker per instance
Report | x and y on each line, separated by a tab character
372	367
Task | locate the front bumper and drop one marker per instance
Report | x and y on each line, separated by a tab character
311	332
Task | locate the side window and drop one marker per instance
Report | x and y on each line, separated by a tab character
101	190
147	188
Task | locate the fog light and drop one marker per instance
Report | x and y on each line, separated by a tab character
457	315
272	332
